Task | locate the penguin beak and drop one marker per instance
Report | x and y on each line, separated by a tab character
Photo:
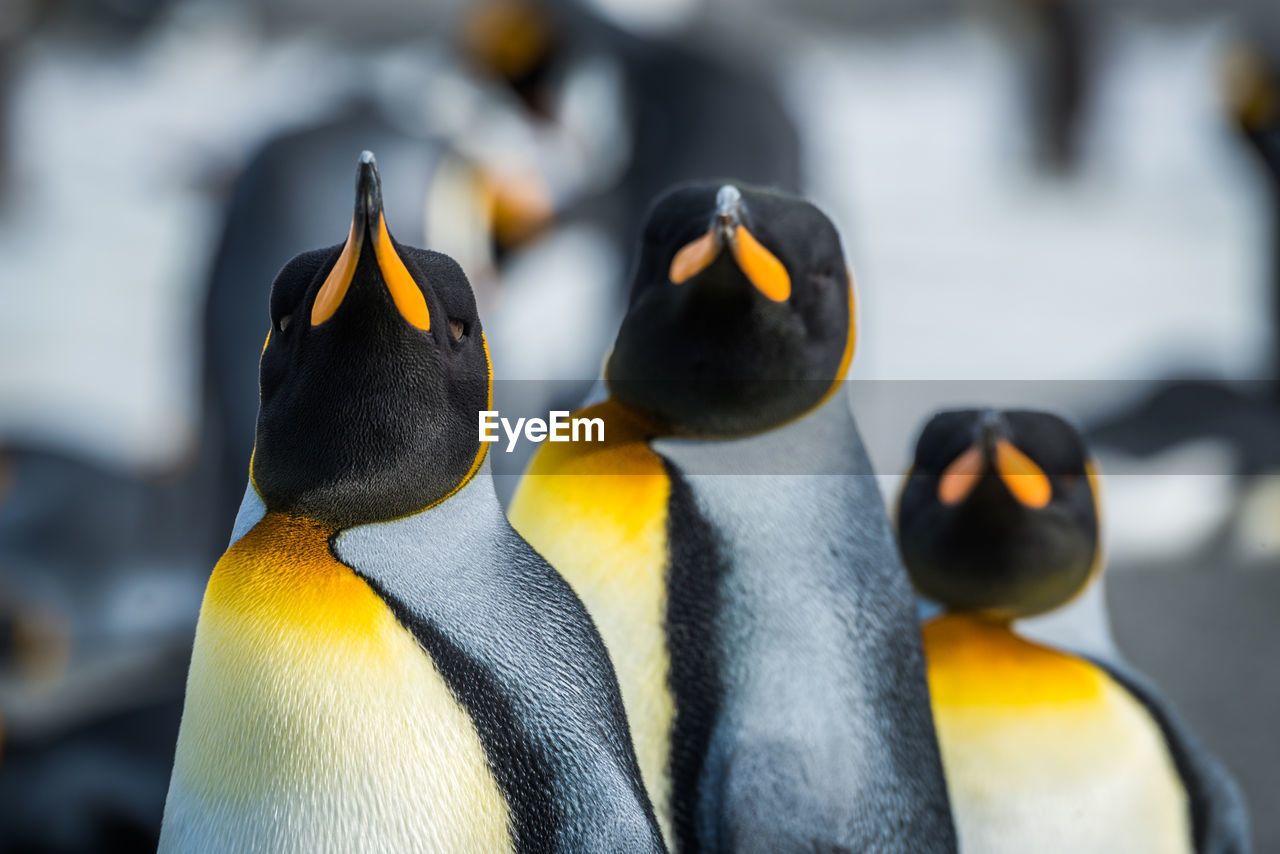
1021	476
369	233
761	267
728	218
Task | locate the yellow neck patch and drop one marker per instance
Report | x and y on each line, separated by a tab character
598	513
979	662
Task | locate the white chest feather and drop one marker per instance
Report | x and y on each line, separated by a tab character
1046	753
1091	787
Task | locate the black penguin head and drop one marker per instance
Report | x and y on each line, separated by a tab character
741	312
999	512
371	376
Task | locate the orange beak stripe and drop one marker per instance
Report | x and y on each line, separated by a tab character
1026	481
959	478
404	291
694	257
761	266
334	289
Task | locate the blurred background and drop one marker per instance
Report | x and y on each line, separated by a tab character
1054	203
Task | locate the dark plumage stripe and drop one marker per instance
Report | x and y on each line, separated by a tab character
521	772
696	568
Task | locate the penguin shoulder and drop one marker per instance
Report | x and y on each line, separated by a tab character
1032	737
624	449
519	649
613	492
289	637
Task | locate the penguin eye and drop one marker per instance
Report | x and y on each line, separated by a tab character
283	323
456	327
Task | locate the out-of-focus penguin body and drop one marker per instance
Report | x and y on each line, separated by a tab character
733	549
1044	750
1252	90
381	663
1051	43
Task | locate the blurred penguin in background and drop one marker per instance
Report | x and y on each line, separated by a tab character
100	568
1251	89
727	537
650	110
1245	416
622	114
1044	750
1051	45
537	149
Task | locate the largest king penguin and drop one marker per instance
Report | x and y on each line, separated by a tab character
381	664
733	548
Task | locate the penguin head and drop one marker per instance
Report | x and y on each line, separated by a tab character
741	312
518	42
371	376
999	512
1251	89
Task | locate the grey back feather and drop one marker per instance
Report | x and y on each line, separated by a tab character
824	739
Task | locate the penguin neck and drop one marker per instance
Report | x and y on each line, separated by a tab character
462	515
975	659
824	440
475	498
637	426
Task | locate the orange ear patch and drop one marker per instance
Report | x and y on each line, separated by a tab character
761	266
959	478
334	289
404	290
694	257
1026	481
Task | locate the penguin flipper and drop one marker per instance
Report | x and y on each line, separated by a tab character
1219	818
521	654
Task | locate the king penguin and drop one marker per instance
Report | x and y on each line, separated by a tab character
732	547
381	664
1044	750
